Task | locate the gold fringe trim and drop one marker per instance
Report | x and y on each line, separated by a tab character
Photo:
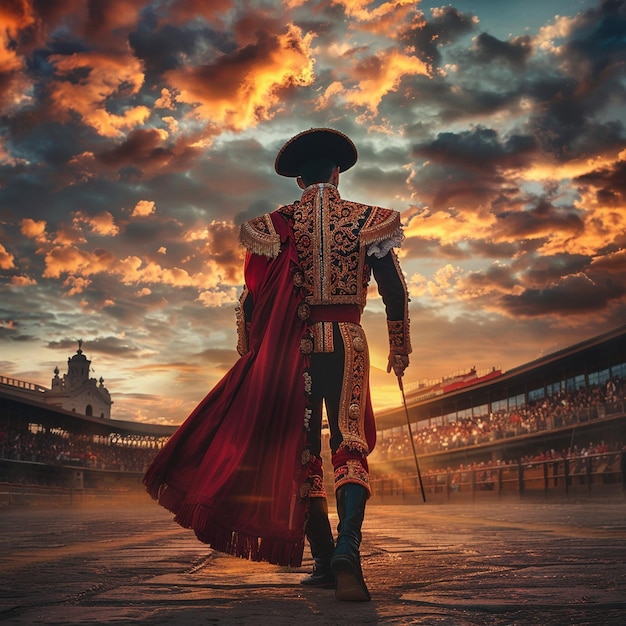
260	237
382	224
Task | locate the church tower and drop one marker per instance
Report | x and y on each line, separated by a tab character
76	391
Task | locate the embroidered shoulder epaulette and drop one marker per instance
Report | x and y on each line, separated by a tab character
260	237
380	225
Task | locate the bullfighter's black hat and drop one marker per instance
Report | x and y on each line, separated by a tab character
316	142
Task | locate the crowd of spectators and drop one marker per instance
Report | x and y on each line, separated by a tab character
485	473
560	409
78	450
557	410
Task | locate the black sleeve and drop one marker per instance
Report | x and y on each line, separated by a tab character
391	285
247	306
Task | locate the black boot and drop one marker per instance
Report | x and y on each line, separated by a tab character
346	562
320	538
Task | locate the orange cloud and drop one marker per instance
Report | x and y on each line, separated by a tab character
600	205
106	75
381	74
33	229
68	234
143	208
442	286
133	271
560	29
381	19
6	259
14	84
450	226
166	101
76	284
22	281
603	225
103	223
240	89
71	260
214	279
217	298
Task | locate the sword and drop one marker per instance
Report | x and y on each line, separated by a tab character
408	423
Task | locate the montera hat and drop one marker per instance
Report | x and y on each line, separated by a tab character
316	142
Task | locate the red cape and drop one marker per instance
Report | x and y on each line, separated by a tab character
233	470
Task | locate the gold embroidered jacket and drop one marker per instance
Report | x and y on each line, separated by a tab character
339	244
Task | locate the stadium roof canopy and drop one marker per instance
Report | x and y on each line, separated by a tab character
16	410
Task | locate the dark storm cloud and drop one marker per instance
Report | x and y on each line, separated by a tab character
442	186
182	11
516	52
419	247
326	26
543	218
142	148
454	100
148	235
497	277
593	60
447	25
567	89
563	120
548	270
167	47
43	142
573	295
599	41
479	148
376	182
470	169
613	264
490	249
609	183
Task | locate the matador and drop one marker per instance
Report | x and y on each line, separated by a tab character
244	470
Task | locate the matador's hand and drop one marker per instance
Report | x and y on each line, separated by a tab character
397	362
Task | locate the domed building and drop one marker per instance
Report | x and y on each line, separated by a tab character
76	391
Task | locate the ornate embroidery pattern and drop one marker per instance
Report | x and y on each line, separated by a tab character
399	331
318	490
243	328
313	486
352	472
327	236
332	236
399	342
322	337
355	386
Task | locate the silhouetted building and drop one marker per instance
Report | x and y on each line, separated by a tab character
76	391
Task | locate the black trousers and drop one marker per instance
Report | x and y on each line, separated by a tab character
326	372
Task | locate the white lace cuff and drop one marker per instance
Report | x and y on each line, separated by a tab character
380	248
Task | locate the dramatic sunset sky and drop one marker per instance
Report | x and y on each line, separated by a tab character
137	135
